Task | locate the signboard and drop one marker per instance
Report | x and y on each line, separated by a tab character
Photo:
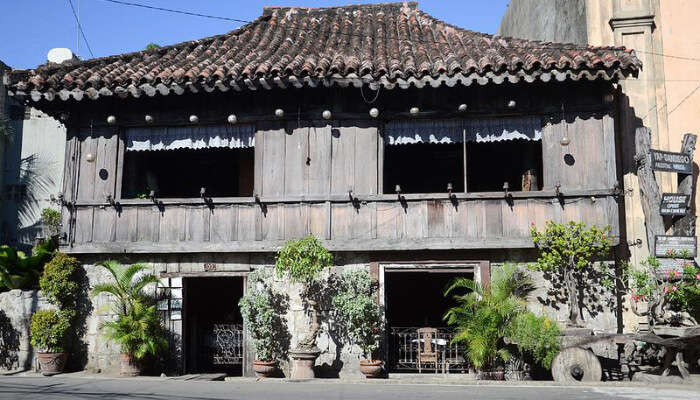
668	265
674	204
673	246
671	162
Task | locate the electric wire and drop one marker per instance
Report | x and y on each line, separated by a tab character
80	28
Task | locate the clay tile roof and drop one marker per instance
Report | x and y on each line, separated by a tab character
391	44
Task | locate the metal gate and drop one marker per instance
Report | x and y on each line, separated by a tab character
224	344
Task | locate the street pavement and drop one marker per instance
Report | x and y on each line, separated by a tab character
26	388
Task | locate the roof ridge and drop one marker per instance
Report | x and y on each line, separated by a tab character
267	10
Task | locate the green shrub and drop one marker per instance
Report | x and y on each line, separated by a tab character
51	220
59	280
357	311
21	271
535	336
48	330
262	310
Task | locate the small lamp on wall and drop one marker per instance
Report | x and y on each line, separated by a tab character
111	120
90	157
374	112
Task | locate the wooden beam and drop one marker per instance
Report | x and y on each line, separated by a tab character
648	187
276	245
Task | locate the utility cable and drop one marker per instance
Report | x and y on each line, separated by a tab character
80	28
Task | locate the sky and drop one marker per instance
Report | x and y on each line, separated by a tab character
33	27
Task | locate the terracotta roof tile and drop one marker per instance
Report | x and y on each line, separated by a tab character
389	44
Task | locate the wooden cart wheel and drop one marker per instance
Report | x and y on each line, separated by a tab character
575	364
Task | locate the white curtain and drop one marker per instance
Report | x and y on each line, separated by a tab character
452	131
190	137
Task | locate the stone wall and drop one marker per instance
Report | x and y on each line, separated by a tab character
16	309
561	21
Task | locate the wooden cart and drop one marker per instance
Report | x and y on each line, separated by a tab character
578	363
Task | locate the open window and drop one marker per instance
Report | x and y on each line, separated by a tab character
176	162
425	156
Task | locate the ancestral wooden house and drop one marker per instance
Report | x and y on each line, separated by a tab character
412	148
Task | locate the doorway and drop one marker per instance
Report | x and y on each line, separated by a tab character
414	299
213	325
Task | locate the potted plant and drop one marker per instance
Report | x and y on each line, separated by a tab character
302	261
482	317
48	335
360	315
262	309
50	329
136	328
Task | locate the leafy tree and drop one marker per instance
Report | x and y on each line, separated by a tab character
567	252
357	311
152	46
302	261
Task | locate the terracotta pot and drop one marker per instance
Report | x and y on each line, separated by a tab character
303	361
129	366
371	368
264	369
52	363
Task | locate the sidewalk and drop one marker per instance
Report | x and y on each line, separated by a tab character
394	379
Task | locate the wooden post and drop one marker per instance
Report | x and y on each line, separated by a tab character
648	187
685	226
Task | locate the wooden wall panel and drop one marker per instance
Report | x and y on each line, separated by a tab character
319	166
391	222
172	225
343	159
247	222
366	160
416	219
296	221
588	162
105	225
223	224
295	154
83	225
475	218
273	222
127	221
97	179
515	219
437	220
319	217
147	224
273	174
198	223
493	218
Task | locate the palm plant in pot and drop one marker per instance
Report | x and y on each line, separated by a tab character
50	329
302	261
136	327
262	309
361	317
483	315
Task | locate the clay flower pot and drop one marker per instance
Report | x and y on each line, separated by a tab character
371	368
52	363
264	369
129	366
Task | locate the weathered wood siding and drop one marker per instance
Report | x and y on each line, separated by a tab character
380	225
588	162
303	173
